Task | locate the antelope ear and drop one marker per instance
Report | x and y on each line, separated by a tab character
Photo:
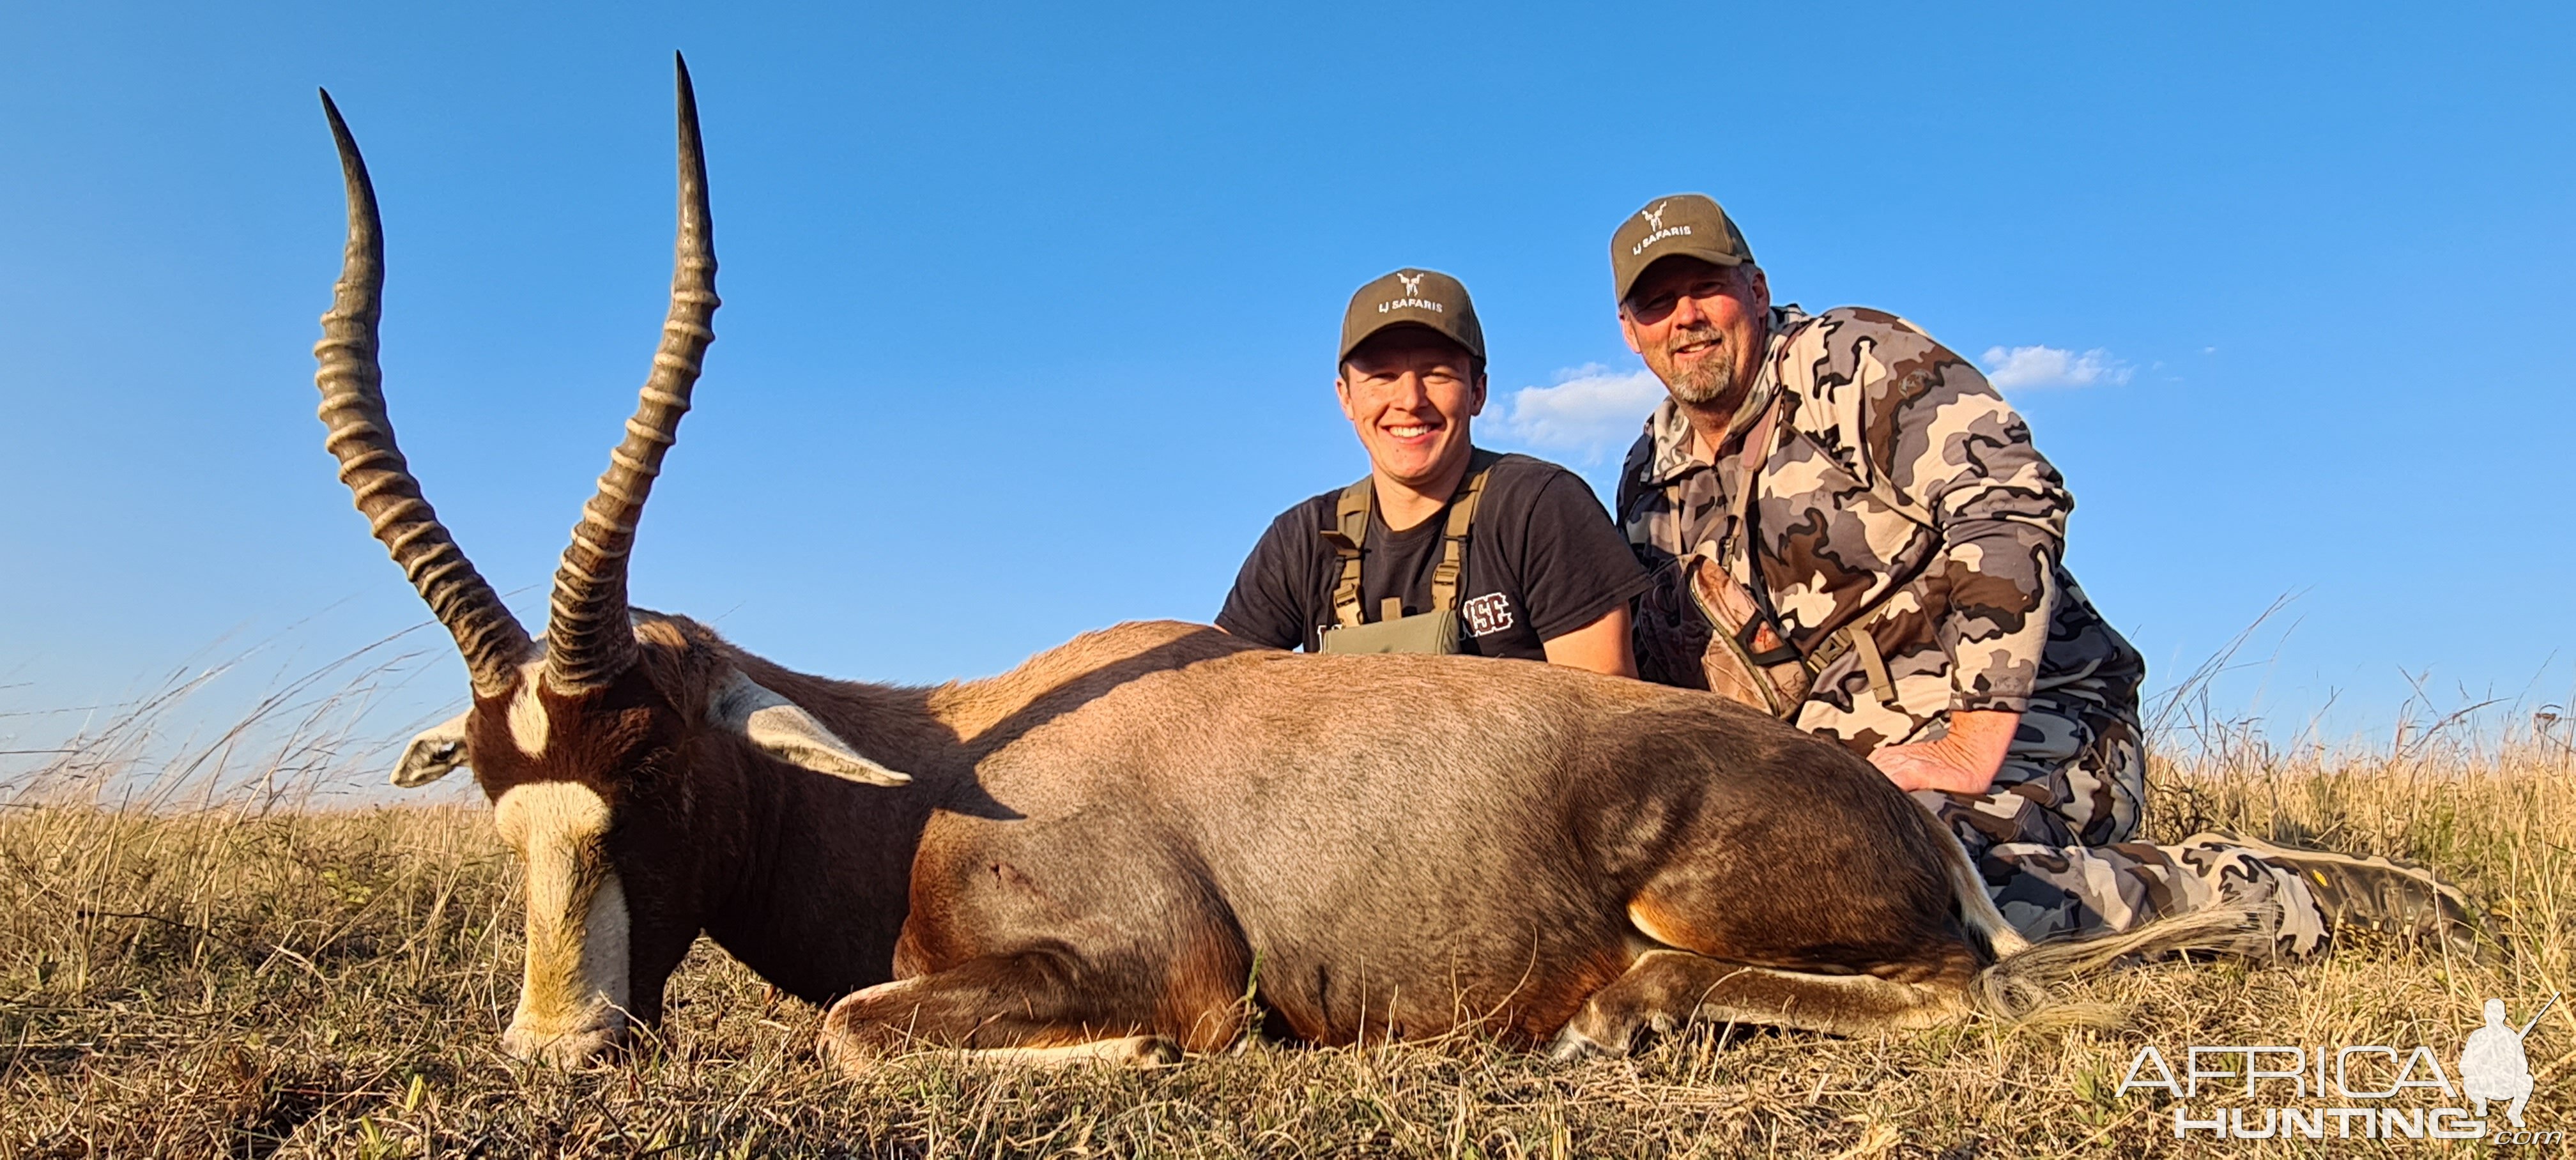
778	728
434	754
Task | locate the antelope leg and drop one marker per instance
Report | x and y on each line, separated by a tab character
1667	989
1024	1008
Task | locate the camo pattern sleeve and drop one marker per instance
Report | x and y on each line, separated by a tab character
1898	496
1948	442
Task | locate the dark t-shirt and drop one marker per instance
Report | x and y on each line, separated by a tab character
1543	559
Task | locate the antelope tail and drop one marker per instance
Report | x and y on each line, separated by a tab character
2020	986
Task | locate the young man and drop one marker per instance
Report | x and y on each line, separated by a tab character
1443	548
1894	544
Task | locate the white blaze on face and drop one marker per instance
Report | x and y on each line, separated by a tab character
573	997
527	713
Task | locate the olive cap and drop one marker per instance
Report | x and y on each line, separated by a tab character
1411	297
1688	224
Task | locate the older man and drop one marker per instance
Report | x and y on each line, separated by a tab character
1848	527
1442	547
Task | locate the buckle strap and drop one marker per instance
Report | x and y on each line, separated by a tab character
1882	684
1349	534
1445	576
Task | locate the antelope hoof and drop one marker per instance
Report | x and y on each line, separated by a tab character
1573	1046
841	1042
850	1059
1148	1052
569	1050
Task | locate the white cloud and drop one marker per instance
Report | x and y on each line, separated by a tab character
1591	409
2048	366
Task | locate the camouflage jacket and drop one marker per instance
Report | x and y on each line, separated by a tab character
1901	491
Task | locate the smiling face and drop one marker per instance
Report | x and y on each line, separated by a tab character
1700	327
1410	393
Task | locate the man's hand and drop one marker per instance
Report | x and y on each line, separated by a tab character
1964	761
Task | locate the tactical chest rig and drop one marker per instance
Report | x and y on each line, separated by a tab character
1431	631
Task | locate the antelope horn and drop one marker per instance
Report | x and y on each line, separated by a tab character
362	438
589	640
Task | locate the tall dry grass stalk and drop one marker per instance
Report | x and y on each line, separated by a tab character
232	966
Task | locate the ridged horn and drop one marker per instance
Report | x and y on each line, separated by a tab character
588	639
362	438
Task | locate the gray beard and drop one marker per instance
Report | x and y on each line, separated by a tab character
1705	383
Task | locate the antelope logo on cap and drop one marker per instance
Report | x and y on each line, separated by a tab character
1412	281
1654	215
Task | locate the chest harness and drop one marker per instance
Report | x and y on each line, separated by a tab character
1432	631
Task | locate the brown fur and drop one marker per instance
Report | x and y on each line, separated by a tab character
1413	844
1107	840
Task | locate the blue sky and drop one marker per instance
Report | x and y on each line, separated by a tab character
1029	311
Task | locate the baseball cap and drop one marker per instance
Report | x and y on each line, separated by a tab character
1411	297
1688	224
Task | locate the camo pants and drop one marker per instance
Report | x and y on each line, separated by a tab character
2054	837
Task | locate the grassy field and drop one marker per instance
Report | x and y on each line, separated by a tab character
243	975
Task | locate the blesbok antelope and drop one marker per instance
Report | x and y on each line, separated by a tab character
1104	851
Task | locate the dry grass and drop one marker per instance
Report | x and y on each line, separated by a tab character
240	975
